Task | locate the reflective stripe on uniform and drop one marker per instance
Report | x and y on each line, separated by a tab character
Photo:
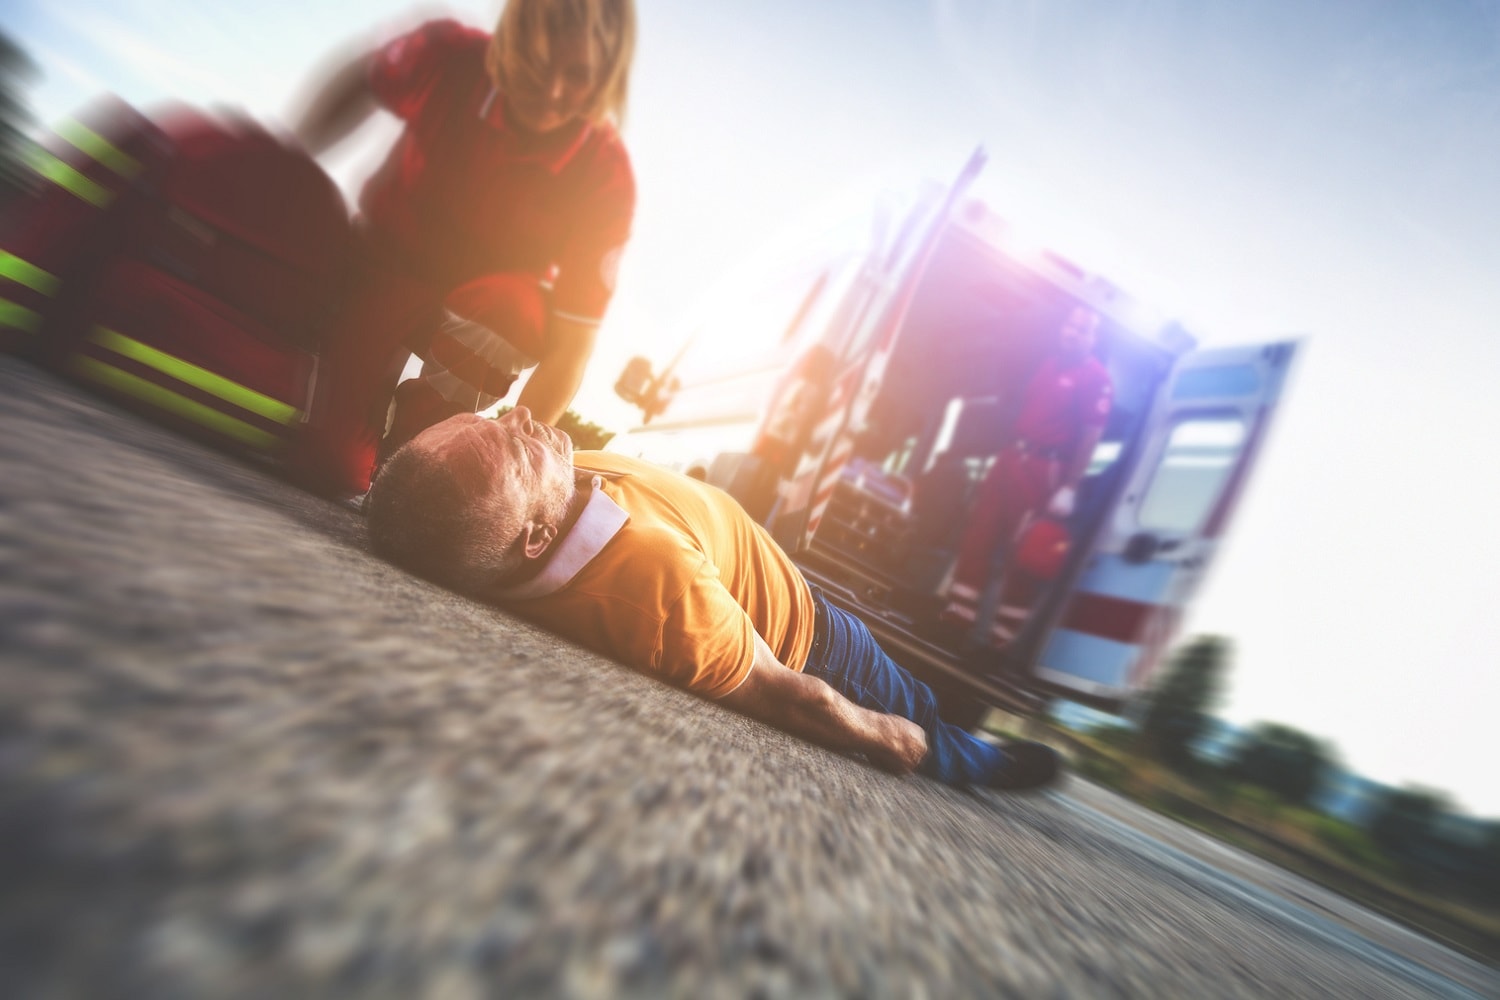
198	378
92	144
468	359
23	272
166	399
67	177
18	317
580	320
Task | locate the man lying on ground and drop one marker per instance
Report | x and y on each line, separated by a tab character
669	576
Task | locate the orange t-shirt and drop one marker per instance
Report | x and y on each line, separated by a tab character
670	576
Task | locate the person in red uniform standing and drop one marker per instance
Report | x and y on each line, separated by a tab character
491	234
1063	413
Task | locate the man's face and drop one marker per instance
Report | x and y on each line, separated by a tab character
525	464
1075	339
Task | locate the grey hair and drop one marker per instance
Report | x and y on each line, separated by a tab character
424	520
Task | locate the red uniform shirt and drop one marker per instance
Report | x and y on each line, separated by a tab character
1061	399
463	194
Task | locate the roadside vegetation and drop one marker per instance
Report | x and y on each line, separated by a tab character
1406	853
17	69
585	434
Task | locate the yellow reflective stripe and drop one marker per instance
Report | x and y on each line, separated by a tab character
199	378
166	399
18	317
23	272
66	177
93	144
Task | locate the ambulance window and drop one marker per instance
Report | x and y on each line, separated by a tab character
833	294
849	309
1194	469
799	320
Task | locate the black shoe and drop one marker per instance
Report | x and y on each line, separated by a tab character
1027	765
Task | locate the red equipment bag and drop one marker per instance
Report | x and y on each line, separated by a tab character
200	293
58	233
1042	548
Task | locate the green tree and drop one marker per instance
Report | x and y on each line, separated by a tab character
1177	710
1406	820
1284	761
16	70
1489	863
586	435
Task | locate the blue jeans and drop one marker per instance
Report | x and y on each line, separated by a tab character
847	657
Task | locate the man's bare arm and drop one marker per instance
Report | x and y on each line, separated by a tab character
807	707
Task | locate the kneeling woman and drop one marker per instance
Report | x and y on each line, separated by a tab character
491	235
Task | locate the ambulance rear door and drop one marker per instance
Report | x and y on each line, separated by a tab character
859	367
1184	476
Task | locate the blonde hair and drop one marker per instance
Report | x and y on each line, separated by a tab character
527	28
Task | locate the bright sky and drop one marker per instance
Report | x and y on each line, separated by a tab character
1259	170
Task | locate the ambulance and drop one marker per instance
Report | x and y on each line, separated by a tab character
853	397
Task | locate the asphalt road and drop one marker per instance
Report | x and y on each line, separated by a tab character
240	757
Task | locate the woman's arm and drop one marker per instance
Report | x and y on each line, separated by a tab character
559	372
341	104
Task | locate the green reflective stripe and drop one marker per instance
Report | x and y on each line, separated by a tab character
199	378
23	272
100	148
64	176
18	317
166	399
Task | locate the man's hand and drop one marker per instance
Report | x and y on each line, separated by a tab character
807	707
903	747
